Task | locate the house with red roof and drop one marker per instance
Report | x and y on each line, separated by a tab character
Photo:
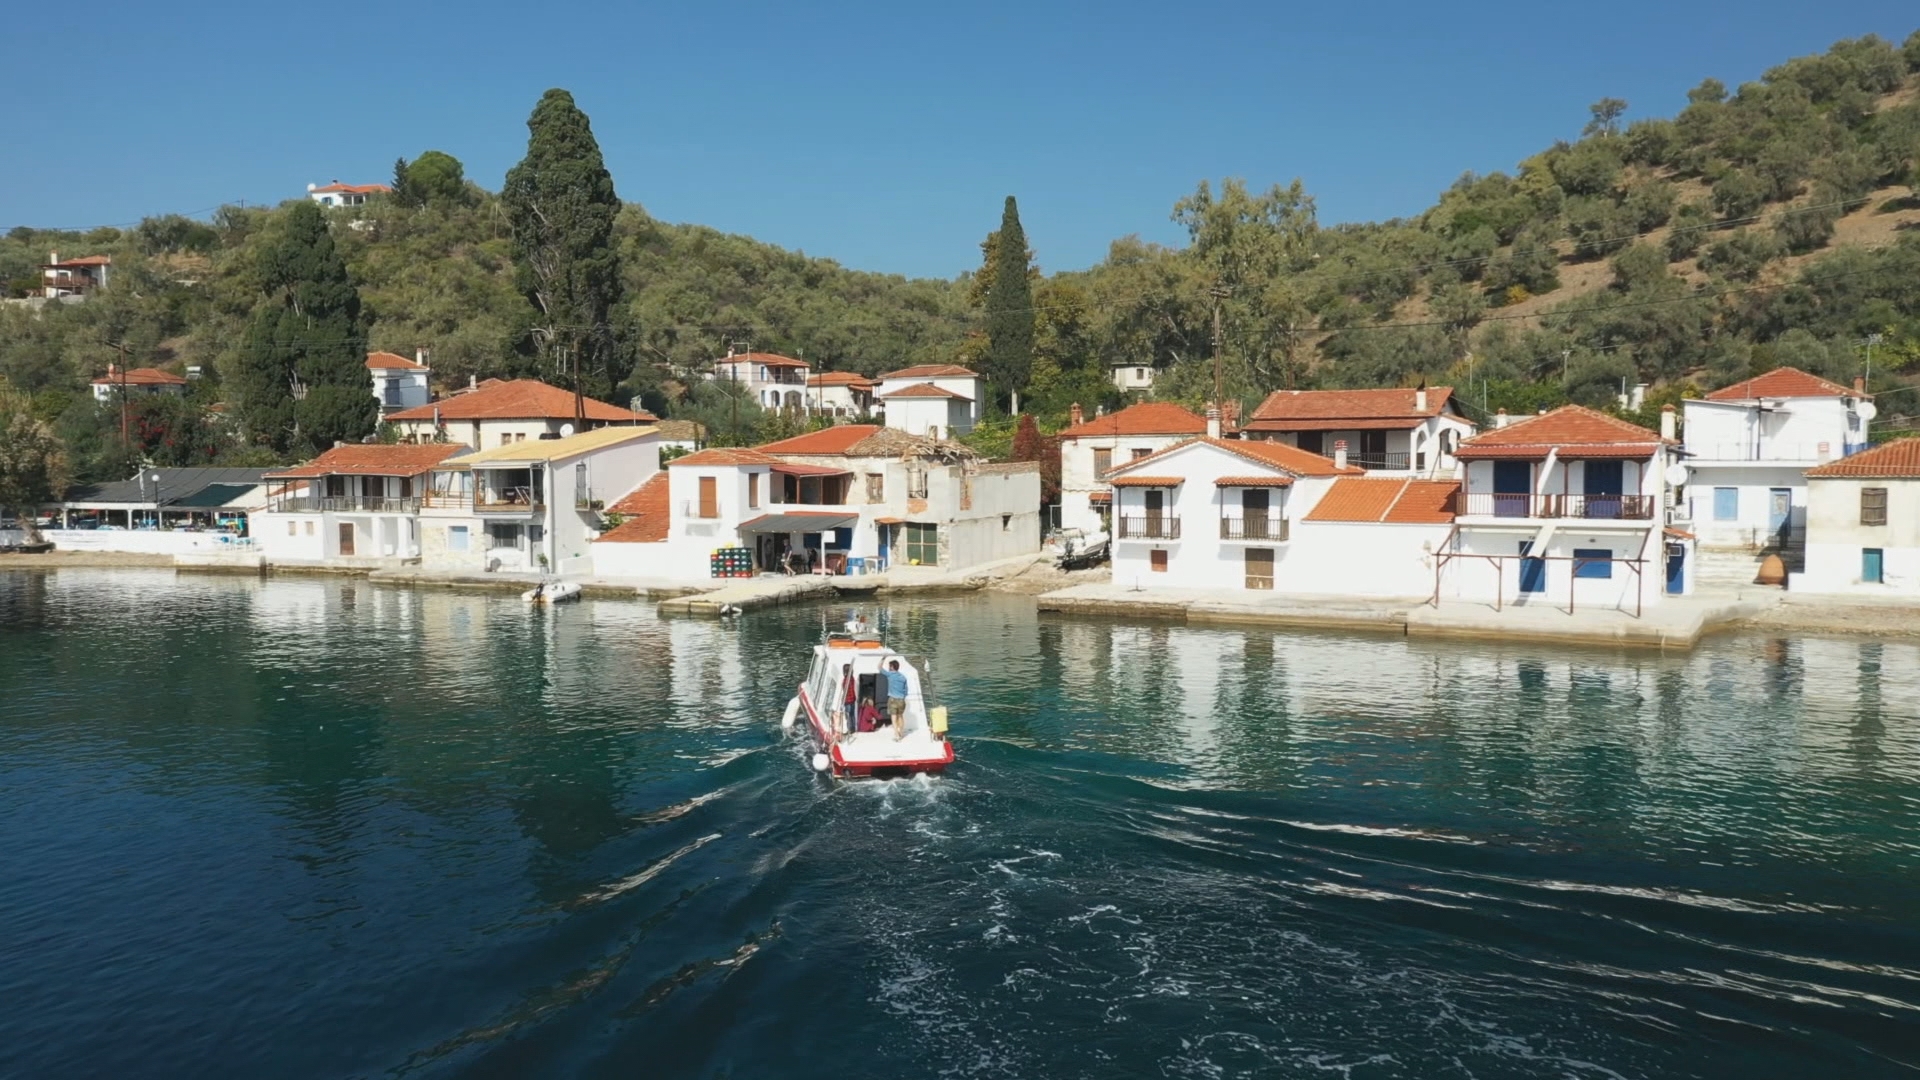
840	395
937	400
1747	450
336	193
1863	524
74	279
399	383
354	505
502	411
775	383
1567	508
1400	430
1089	448
136	381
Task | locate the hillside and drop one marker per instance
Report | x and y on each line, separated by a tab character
1775	222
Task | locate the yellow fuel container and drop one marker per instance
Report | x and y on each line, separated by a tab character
937	721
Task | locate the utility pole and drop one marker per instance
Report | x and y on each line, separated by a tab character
579	400
125	445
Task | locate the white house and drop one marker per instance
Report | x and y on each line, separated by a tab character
137	381
1088	448
73	278
1863	524
1748	447
496	413
929	410
1565	508
842	395
398	382
861	496
959	383
532	506
1131	378
1402	430
339	194
772	381
355	505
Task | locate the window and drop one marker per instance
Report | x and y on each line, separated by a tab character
1141	451
1593	562
309	528
1873	506
876	487
923	544
456	538
1726	504
709	497
1873	565
753	491
506	438
1260	568
1102	461
916	480
1006	522
1140	373
1157	560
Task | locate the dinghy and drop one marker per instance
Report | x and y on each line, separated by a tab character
919	746
552	592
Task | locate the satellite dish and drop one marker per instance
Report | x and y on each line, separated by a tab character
566	430
1867	410
1677	475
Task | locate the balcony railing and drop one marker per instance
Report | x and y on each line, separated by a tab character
1151	527
371	504
1582	507
1771	450
1270	527
512	500
1393	459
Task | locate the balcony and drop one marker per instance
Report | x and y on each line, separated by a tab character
365	504
508	500
1151	527
1271	527
1558	507
1388	461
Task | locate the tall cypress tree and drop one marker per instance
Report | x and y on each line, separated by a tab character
1009	359
561	205
300	381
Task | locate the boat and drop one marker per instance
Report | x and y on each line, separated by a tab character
552	592
920	748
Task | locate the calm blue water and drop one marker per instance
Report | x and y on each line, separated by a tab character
318	828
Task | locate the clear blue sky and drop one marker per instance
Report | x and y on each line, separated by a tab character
883	135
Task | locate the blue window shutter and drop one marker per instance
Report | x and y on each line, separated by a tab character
1726	504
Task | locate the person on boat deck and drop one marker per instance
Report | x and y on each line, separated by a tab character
851	696
870	718
896	697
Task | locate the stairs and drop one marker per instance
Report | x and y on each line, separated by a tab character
1733	571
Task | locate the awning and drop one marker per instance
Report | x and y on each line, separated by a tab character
1254	481
1147	481
799	522
1100	497
889	521
789	468
212	495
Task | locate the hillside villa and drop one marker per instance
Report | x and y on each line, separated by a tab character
399	383
932	400
72	279
841	395
771	381
1397	430
1088	448
339	194
137	381
499	412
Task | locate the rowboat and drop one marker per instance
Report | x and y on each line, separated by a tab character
918	746
552	592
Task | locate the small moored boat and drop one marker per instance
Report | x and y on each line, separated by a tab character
919	746
552	592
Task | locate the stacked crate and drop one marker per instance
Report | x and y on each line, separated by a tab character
732	562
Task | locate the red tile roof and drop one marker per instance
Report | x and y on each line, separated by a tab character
932	371
519	399
386	361
1253	481
840	378
142	376
648	520
925	390
1782	382
352	189
1575	430
84	260
1146	418
1314	410
375	459
1275	455
1148	481
724	456
1897	459
771	360
1396	502
833	440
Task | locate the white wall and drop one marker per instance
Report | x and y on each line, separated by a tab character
1755	485
612	472
1077	481
1790	429
486	434
973	389
291	537
412	386
1133	377
1835	538
137	541
1475	579
917	415
1425	438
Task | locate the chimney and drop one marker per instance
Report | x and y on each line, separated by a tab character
1859	384
53	256
1668	422
473	382
1074	415
1639	399
1339	453
1213	423
420	355
1420	399
1500	419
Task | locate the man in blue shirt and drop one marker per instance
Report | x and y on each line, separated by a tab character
896	698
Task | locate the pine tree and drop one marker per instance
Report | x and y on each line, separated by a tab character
300	381
1009	358
561	205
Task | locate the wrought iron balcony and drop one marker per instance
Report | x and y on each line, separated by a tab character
1581	507
1255	527
1150	527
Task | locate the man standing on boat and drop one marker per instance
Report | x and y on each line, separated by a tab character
896	698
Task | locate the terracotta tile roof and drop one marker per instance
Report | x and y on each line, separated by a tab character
84	260
648	519
795	468
833	440
932	371
352	189
1100	497
386	361
1900	458
1148	481
1275	455
1782	382
723	456
840	378
1390	424
1254	481
375	459
1287	410
519	399
1575	430
771	360
1146	418
925	390
142	376
1380	500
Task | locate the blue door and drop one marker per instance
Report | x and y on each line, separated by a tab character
884	532
1676	569
1512	485
1779	512
1873	565
1604	484
1533	572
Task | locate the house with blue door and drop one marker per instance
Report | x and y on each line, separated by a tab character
1569	509
1747	449
1863	524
